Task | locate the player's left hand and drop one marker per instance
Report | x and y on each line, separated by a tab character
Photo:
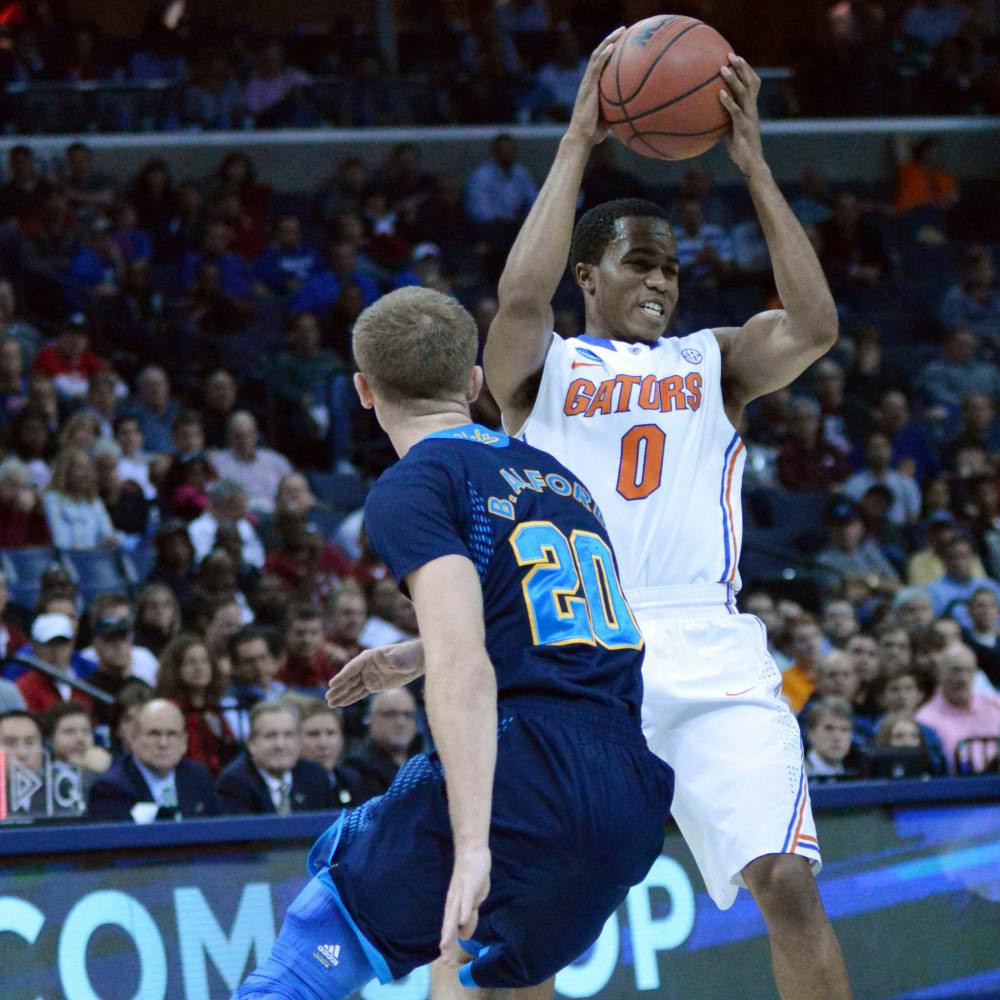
739	98
470	885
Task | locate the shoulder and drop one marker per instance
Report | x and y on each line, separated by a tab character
236	771
307	770
193	772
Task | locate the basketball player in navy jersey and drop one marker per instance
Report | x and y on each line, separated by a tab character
508	848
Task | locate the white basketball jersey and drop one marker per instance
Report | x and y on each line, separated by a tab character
644	428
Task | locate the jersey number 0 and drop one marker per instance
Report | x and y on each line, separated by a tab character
641	465
572	591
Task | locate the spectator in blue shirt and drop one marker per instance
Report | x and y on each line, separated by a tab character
287	263
323	289
232	269
154	409
958	373
950	595
98	264
501	189
974	302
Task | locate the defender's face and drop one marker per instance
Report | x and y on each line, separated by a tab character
632	292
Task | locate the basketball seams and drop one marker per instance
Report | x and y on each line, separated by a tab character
707	131
667	104
622	101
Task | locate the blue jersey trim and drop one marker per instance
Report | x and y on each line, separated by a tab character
472	432
612	345
318	864
465	977
722	505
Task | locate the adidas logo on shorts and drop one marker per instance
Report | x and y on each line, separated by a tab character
328	955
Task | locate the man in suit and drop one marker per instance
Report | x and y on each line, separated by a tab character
270	777
154	780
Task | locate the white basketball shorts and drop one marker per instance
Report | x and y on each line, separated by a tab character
712	710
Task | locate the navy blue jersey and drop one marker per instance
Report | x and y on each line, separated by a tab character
557	622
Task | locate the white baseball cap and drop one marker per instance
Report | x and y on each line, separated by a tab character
45	628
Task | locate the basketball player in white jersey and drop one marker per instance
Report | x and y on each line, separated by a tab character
648	424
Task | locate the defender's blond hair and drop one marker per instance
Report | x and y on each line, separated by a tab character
415	343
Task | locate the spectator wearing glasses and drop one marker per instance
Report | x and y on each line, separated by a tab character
154	780
271	776
392	731
254	663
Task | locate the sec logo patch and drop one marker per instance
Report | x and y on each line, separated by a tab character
691	355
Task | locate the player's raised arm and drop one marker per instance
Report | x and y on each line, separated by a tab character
518	338
461	698
772	348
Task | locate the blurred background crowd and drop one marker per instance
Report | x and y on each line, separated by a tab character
183	460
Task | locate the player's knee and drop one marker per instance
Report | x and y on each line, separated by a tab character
784	888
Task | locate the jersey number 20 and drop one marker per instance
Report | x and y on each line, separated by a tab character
572	591
641	466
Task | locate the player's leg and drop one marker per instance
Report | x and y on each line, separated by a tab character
445	986
808	964
317	955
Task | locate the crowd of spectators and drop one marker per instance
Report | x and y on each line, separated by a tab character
496	61
183	453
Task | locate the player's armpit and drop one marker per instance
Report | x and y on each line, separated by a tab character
515	353
765	354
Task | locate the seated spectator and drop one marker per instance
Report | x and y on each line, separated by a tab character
81	431
229	509
218	405
921	180
913	609
295	498
383	599
309	566
134	463
24	188
957	373
271	601
154	780
68	360
828	732
347	612
186	484
852	250
154	409
851	555
193	681
844	419
112	651
835	677
902	693
89	193
271	776
275	91
52	636
324	288
257	470
807	461
974	303
392	731
157	617
704	250
906	500
957	712
322	736
839	622
951	593
101	400
901	731
927	564
983	633
805	645
99	265
222	576
117	608
175	564
69	732
308	663
21	741
124	500
214	100
124	714
13	382
287	263
233	275
912	451
22	514
863	652
557	82
254	663
134	243
980	426
76	514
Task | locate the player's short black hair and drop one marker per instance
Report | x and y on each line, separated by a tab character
596	228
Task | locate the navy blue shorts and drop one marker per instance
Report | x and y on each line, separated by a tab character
579	805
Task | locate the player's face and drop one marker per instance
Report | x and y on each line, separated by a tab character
633	291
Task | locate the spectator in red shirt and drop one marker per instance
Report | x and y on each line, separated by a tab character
311	567
51	642
308	662
22	516
807	461
68	361
191	679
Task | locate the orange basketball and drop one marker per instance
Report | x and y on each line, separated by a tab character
660	89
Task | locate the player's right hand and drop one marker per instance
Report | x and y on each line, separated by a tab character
586	119
371	671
